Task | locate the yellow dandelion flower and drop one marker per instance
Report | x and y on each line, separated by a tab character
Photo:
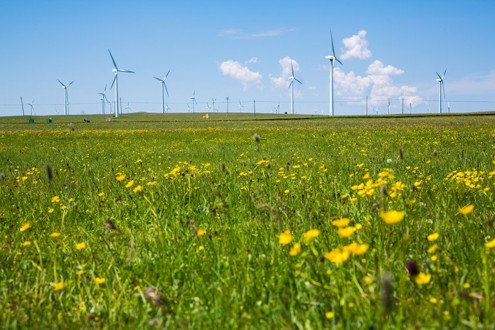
80	272
310	235
151	183
466	210
120	177
285	237
392	217
433	248
434	258
99	280
490	244
25	227
101	194
55	234
433	237
329	315
138	189
26	243
341	222
59	286
422	278
295	250
357	249
51	210
287	191
346	231
433	300
337	256
200	232
55	199
129	184
80	246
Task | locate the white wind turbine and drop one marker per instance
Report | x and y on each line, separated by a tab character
104	100
193	99
164	89
115	81
292	78
441	88
332	58
241	106
66	96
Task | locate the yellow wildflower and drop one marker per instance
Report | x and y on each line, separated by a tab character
295	250
80	246
51	210
357	249
310	235
466	209
341	222
55	234
25	227
101	194
392	217
200	232
26	243
59	286
433	248
121	177
422	278
329	315
337	256
433	237
99	280
55	199
129	184
138	189
346	231
490	244
285	237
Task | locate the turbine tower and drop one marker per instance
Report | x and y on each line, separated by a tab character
193	99
66	96
164	89
292	78
103	100
115	81
441	88
332	58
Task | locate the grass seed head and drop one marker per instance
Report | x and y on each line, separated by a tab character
387	292
49	171
256	138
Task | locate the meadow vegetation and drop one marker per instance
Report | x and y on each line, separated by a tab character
273	222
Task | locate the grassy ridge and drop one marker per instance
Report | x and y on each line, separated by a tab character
182	222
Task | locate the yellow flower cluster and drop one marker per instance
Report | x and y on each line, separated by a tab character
471	179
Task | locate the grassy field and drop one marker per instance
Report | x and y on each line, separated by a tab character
237	221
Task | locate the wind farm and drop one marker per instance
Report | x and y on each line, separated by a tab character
263	166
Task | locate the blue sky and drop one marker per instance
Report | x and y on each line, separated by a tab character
391	50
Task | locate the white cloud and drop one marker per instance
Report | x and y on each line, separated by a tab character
251	60
377	68
356	47
377	85
283	79
236	71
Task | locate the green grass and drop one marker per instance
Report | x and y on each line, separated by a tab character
181	217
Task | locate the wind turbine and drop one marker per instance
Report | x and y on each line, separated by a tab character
193	99
32	107
332	58
164	89
292	78
22	106
441	88
115	81
66	96
241	106
213	105
103	99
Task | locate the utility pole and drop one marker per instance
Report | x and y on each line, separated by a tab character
22	106
227	104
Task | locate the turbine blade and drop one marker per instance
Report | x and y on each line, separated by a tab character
113	60
298	80
61	83
292	68
444	73
105	89
333	48
158	79
338	60
126	71
439	77
165	85
167	74
113	82
70	83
